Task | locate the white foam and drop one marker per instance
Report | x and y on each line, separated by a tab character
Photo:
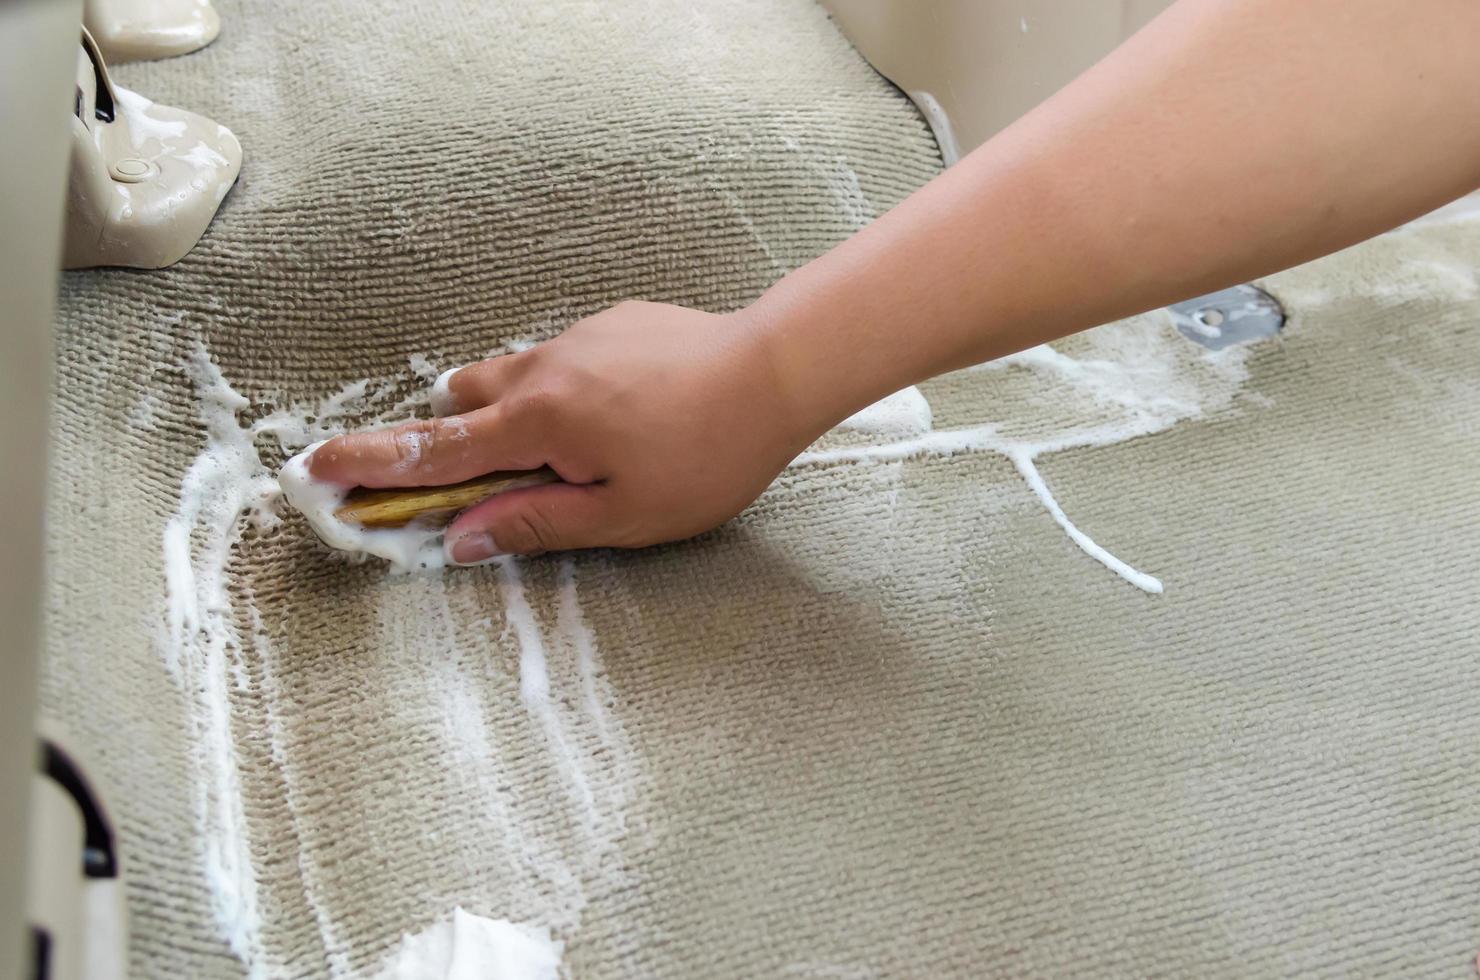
422	367
537	874
270	694
144	416
226	489
407	548
227	483
465	946
1139	378
571	623
986	437
1134	375
410	548
1024	463
342	402
534	685
442	393
201	642
534	671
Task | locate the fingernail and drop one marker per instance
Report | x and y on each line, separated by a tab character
472	548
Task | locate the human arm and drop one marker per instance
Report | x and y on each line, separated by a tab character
1227	140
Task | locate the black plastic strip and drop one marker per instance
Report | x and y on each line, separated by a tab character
103	99
103	106
99	858
40	954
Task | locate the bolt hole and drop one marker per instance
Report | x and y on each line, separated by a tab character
1210	318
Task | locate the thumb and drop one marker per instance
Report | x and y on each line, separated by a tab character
555	517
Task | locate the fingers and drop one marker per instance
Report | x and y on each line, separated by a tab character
428	452
557	517
472	387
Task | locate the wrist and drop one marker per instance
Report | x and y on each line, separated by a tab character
803	384
825	360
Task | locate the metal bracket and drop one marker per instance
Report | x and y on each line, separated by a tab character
1241	315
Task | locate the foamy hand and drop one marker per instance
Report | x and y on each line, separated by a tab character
662	422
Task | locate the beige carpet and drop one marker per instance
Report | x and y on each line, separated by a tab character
891	722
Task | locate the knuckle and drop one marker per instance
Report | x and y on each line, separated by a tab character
531	532
462	384
542	404
449	441
480	380
411	445
427	445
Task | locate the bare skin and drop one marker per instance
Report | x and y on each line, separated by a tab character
1162	173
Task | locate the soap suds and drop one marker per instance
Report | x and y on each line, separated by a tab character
598	743
534	677
144	416
201	641
465	946
416	546
1126	387
336	950
406	548
1137	377
566	833
442	393
571	624
534	684
540	875
211	622
413	444
1022	455
342	402
226	490
1025	466
424	369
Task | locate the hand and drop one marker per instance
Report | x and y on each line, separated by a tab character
662	421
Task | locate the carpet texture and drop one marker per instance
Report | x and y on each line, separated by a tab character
891	721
